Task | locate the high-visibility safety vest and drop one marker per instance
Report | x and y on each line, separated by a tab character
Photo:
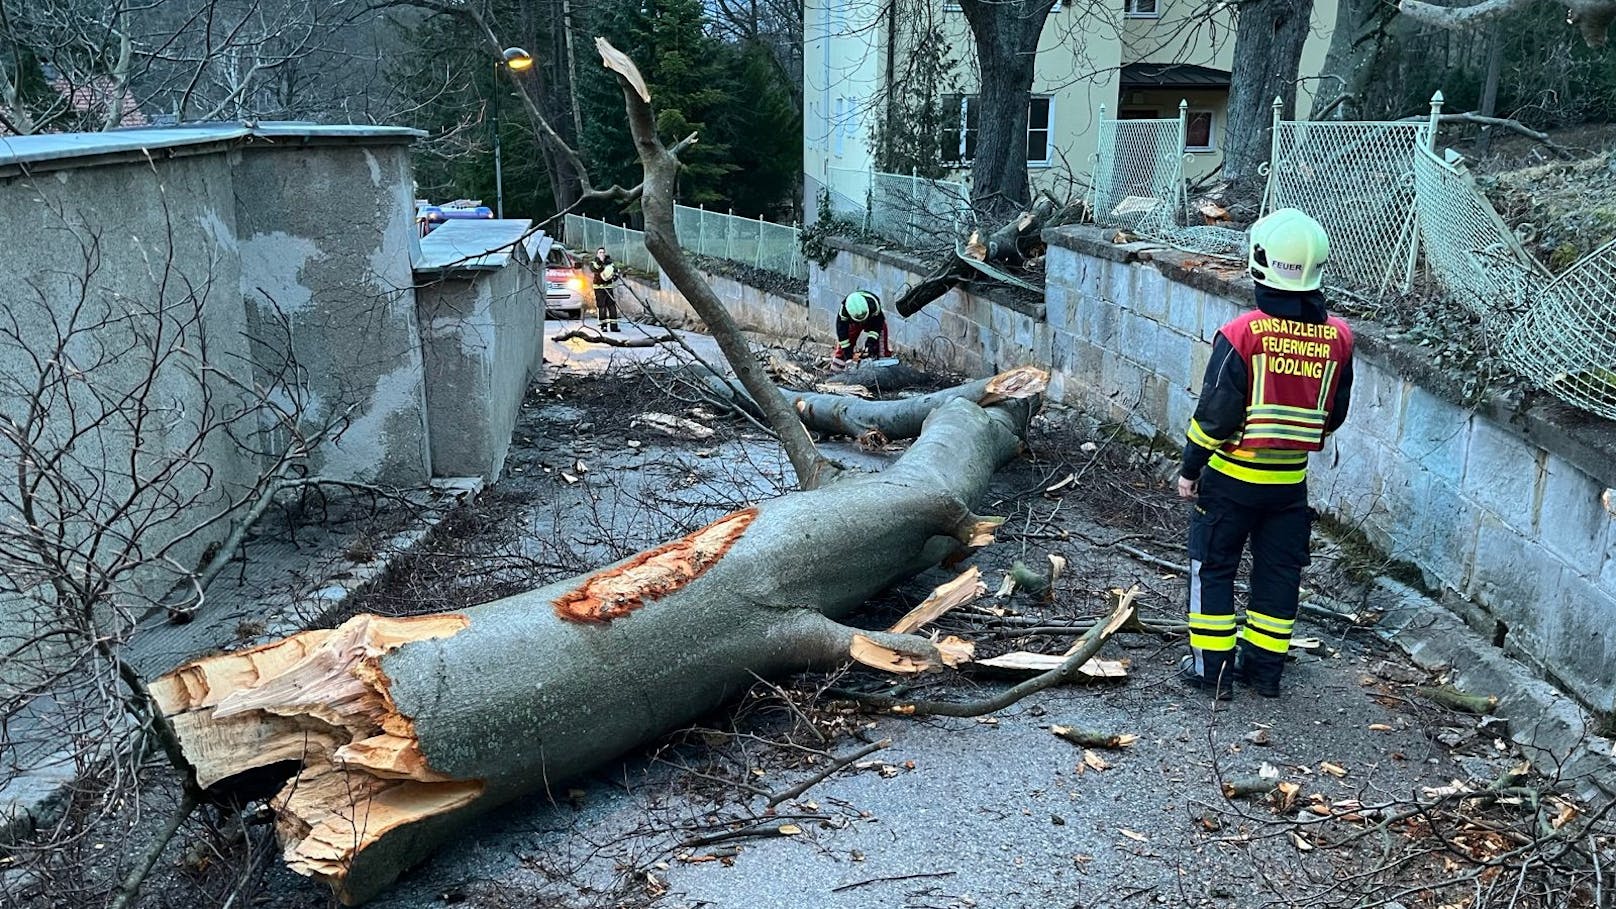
1293	370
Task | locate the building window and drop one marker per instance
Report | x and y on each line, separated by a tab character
1141	9
1198	131
959	137
1039	130
951	6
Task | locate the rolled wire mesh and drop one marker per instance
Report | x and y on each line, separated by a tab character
1356	179
1139	186
1472	253
1566	341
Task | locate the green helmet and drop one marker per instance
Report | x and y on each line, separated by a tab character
858	305
1288	251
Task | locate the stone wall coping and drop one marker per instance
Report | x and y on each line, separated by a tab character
1585	440
997	293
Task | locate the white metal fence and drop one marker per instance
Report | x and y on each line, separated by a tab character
1139	184
912	211
1357	179
760	244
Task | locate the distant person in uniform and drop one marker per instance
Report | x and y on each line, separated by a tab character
861	329
604	272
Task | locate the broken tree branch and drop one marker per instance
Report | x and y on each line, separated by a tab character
596	336
661	166
1086	647
1514	126
828	772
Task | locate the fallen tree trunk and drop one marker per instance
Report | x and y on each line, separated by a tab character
875	423
390	734
1007	244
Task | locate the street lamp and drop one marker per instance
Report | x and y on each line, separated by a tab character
516	60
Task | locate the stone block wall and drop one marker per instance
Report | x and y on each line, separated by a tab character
1506	503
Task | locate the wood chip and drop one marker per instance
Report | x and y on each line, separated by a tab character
1134	836
948	596
1335	770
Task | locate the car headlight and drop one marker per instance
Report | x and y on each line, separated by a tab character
575	283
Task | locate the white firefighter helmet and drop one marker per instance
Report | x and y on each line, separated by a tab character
1288	251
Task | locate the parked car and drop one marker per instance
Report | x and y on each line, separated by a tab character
566	284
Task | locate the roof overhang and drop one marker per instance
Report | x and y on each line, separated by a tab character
1172	75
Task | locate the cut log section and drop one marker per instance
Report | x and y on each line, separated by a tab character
385	736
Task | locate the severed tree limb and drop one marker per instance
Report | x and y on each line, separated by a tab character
1592	17
154	850
1514	126
595	336
835	766
1086	647
661	166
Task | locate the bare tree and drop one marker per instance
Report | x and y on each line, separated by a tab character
1592	17
1006	34
1269	35
85	65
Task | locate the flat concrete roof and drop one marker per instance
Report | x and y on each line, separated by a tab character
483	244
15	150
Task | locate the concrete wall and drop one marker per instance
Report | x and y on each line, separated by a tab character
482	337
125	277
785	317
1506	503
325	250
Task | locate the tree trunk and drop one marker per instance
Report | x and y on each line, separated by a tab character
1349	63
391	734
1489	87
560	102
1006	34
1269	35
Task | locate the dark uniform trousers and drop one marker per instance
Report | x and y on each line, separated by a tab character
1277	522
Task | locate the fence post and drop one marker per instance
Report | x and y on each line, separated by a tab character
1436	120
1182	200
796	247
757	257
729	236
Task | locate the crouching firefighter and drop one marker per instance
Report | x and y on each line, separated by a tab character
1277	385
861	328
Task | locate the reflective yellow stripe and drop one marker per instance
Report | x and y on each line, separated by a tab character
1270	642
1277	456
1269	623
1282	412
1203	621
1324	390
1216	643
1254	475
1198	436
1265	430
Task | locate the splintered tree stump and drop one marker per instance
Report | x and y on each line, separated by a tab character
384	737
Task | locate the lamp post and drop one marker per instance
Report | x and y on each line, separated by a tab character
516	60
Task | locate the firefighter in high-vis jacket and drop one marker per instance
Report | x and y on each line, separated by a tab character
861	329
1276	386
603	274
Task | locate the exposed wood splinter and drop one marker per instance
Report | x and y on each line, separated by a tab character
651	575
948	596
1021	382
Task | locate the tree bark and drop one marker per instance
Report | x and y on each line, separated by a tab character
1592	17
1269	35
1349	62
391	734
1006	34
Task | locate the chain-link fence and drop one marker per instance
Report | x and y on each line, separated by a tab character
912	211
760	244
1566	341
626	245
1471	253
1357	179
1139	185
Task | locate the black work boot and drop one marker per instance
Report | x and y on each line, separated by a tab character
1259	669
1217	674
